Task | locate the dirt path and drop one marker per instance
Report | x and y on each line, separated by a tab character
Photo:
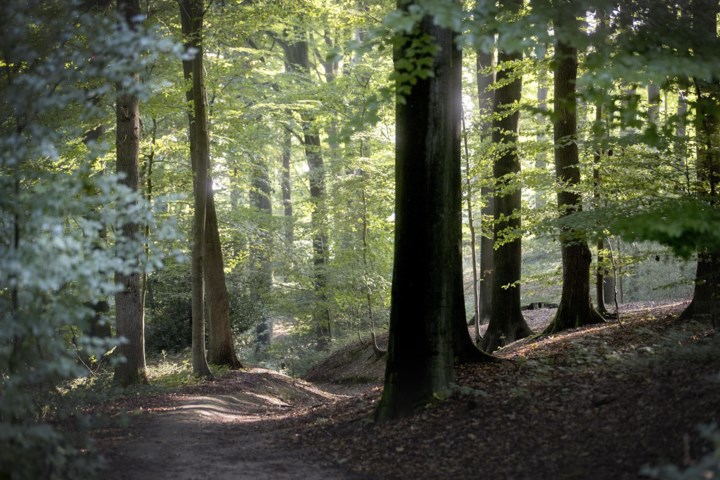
235	429
599	402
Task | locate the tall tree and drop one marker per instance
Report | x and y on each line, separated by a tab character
298	61
506	320
541	117
129	313
485	80
705	303
427	223
576	307
221	345
602	280
191	16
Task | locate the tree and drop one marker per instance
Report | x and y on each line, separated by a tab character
486	95
129	308
55	205
427	221
575	308
191	16
221	349
298	61
705	302
506	321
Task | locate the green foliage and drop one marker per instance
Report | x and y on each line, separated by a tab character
60	220
684	225
168	309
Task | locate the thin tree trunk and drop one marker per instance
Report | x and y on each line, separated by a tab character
286	186
542	93
506	321
191	15
575	308
260	250
485	101
128	302
297	59
653	91
601	269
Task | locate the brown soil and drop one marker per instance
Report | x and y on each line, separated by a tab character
593	403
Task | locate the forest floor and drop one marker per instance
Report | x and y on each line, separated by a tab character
599	402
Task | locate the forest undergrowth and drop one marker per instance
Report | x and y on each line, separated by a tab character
605	402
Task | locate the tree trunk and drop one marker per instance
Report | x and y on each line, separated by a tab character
542	93
575	308
705	304
191	15
427	259
128	302
485	101
286	186
221	349
506	321
601	269
297	59
653	91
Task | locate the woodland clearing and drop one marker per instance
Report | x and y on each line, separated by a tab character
600	402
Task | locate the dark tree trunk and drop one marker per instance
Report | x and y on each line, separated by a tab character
318	218
297	59
191	15
221	349
506	321
485	101
653	91
427	282
575	308
128	302
601	269
705	304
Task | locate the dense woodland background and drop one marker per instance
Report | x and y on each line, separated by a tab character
217	180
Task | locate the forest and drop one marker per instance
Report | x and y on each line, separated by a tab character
359	239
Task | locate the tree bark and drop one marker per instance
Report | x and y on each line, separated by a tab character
221	349
129	312
705	304
191	15
601	270
485	101
427	270
506	321
575	308
542	93
286	187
